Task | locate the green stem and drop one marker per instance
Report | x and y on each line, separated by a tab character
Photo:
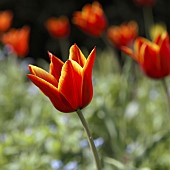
148	20
112	50
90	139
64	44
165	86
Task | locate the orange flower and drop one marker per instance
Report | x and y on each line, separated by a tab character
58	27
148	3
123	35
153	57
68	85
5	20
18	39
91	19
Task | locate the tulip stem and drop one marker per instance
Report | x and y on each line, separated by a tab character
90	139
165	86
64	44
113	51
148	20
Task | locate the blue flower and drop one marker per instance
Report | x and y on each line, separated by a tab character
71	166
56	164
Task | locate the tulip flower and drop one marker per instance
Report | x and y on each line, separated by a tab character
58	27
5	20
91	19
18	40
153	57
148	3
68	85
122	35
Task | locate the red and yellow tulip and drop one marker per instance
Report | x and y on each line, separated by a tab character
68	85
18	40
58	27
91	19
153	57
5	20
122	35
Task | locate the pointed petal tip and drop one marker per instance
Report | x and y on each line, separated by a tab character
93	52
74	46
50	55
30	76
94	49
30	67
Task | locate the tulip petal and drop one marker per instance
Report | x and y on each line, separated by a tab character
77	55
165	56
151	63
87	90
59	102
161	37
43	75
158	39
70	83
137	48
55	66
128	51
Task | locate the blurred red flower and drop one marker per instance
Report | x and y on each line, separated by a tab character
148	3
68	85
91	19
5	20
153	57
123	35
18	40
58	27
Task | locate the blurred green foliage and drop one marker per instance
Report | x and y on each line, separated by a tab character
128	118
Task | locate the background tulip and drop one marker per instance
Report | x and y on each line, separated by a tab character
18	40
153	57
91	19
5	20
122	35
58	27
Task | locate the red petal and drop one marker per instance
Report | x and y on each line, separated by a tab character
59	102
165	56
128	51
137	48
151	63
87	91
55	66
70	83
43	75
158	39
161	37
77	55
